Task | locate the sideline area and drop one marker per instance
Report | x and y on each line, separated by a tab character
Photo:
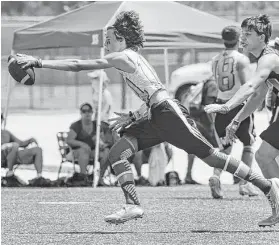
44	124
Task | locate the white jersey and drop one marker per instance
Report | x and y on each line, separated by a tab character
224	67
144	81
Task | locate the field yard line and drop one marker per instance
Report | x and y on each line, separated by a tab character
64	203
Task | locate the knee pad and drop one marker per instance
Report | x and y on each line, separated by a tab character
122	150
227	163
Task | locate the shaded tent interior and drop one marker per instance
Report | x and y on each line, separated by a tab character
180	29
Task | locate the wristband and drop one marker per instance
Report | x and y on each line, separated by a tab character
39	63
226	108
235	123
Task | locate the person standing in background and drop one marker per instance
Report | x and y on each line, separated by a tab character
95	77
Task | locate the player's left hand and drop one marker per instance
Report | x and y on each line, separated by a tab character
122	121
216	108
231	132
27	61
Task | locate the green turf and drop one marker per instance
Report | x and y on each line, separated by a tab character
180	215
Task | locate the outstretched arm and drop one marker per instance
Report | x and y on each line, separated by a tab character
117	60
265	67
253	103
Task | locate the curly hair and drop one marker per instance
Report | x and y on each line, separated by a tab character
128	26
260	24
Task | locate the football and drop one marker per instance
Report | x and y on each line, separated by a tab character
23	76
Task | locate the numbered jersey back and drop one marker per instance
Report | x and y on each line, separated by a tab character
226	74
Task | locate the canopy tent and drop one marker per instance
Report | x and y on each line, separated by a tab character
166	24
163	22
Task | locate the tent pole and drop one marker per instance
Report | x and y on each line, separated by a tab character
166	64
96	171
8	96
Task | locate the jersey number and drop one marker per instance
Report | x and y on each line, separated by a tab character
224	74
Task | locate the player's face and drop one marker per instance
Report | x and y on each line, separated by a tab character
112	44
250	40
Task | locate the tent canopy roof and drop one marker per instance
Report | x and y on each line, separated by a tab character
84	26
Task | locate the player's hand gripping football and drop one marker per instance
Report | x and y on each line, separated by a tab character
27	61
216	108
123	120
231	132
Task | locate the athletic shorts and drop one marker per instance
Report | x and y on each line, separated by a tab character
170	122
245	132
271	134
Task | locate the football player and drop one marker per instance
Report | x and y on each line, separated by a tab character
159	119
256	32
231	69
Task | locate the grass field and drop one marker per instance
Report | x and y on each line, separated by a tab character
173	215
182	215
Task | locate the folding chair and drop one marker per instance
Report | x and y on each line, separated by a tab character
65	149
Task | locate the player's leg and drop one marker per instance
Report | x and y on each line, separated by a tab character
271	137
246	188
136	137
185	136
246	135
267	157
215	182
220	124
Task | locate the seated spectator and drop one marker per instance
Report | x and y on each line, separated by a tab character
82	139
11	154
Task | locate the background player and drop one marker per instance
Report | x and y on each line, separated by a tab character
256	32
231	69
167	120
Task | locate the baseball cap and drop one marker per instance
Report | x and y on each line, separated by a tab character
84	104
230	34
97	74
